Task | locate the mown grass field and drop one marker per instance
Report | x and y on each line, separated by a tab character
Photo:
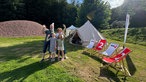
19	61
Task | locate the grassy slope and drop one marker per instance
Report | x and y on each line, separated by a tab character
19	61
135	35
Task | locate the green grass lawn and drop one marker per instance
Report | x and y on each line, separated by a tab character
19	61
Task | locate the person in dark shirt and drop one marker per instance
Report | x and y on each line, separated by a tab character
48	33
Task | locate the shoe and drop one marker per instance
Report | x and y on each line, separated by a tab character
49	58
65	57
42	60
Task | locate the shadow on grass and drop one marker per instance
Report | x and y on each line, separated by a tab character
17	51
131	66
69	47
92	56
104	72
22	60
31	49
23	72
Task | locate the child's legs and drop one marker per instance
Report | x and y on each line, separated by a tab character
44	50
58	54
46	45
50	55
62	52
65	53
53	54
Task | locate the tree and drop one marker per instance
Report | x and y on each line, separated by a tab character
11	10
102	15
41	11
138	19
5	6
86	7
37	10
96	11
69	15
136	9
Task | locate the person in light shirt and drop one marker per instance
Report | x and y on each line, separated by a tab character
62	32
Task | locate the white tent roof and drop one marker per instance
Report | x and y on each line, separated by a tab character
88	32
72	27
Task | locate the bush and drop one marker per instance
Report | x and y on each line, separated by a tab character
135	35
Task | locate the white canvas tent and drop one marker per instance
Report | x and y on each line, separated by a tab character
70	30
85	33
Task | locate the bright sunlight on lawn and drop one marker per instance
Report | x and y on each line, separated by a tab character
19	61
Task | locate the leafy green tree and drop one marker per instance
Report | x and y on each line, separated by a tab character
11	10
42	11
69	15
138	19
96	11
4	8
37	10
102	15
86	7
136	9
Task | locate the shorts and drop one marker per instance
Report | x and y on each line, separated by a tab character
60	48
46	45
53	52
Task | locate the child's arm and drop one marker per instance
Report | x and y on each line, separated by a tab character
52	25
48	37
44	29
64	28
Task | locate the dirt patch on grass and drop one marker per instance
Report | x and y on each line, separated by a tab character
89	74
85	71
20	28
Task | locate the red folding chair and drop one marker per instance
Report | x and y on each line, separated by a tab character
100	45
117	59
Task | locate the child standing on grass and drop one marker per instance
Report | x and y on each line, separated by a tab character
53	47
60	46
60	31
47	41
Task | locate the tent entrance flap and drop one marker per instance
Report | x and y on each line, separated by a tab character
76	39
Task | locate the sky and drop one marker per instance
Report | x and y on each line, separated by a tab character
113	3
80	1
